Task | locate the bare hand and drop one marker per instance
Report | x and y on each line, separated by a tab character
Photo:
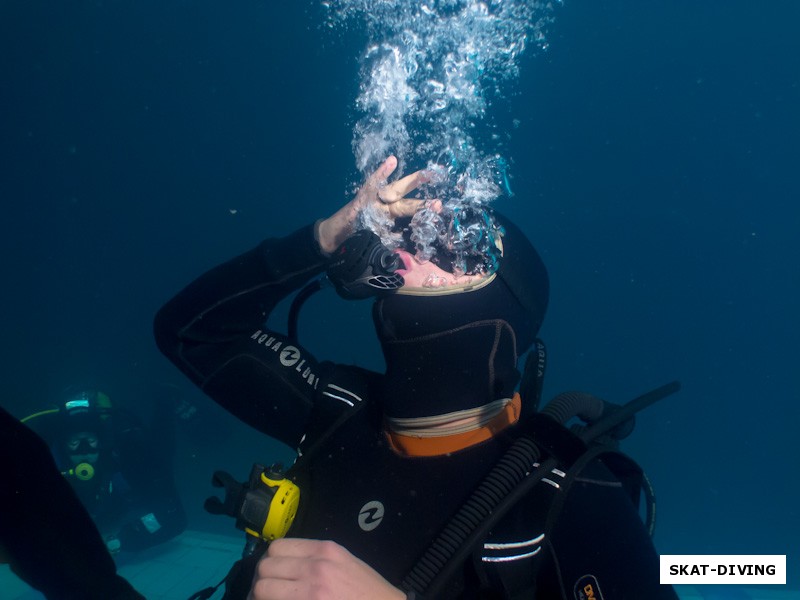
298	569
376	194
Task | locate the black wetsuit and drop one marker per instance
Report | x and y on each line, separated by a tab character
132	496
50	539
383	507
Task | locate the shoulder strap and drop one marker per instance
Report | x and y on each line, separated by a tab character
511	479
621	466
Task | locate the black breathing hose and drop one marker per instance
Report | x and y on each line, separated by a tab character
512	477
297	303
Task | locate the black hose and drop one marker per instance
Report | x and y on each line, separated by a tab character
629	410
508	481
567	405
294	310
455	542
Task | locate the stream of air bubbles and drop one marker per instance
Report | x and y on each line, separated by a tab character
428	75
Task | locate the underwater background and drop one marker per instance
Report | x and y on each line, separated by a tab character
654	149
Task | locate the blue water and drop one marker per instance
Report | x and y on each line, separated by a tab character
653	151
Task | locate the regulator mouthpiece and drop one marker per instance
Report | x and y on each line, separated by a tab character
362	267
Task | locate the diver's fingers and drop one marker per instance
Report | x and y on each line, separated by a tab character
376	181
381	174
408	206
405	207
402	187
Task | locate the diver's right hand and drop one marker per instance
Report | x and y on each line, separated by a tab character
375	194
300	569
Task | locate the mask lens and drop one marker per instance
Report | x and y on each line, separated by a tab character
84	443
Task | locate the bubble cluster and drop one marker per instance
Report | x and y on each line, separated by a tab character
428	76
461	238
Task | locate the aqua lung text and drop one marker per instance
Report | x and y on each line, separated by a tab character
289	356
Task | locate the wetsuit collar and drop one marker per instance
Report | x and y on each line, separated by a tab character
427	441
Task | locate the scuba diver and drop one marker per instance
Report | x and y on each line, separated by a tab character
120	471
438	478
46	535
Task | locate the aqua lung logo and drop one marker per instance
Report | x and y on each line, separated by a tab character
370	515
289	356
